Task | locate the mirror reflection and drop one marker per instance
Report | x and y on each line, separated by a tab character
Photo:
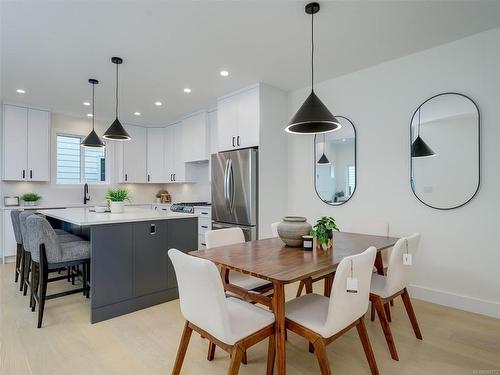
445	151
335	163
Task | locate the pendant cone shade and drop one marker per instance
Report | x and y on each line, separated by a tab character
313	117
420	149
93	140
323	160
116	131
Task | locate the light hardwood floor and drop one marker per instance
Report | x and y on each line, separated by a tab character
145	342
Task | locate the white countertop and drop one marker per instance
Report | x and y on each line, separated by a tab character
82	216
44	206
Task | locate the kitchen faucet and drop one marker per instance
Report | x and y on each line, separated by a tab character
86	195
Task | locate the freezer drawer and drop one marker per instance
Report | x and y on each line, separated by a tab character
250	232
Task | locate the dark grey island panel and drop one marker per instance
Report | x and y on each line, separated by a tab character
130	268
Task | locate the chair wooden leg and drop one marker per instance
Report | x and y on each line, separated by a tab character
379	307
236	357
244	358
411	314
271	355
320	349
181	352
311	347
42	287
211	351
387	309
372	315
392	302
299	290
365	341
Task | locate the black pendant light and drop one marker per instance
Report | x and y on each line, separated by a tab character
93	140
323	160
313	116
116	131
420	149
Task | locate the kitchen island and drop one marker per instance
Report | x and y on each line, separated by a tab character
130	269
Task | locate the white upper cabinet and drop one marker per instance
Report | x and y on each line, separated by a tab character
26	144
194	137
213	133
155	155
175	168
133	166
238	120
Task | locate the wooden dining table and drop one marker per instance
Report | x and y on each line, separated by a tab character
271	260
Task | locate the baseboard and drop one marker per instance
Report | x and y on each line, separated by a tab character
458	301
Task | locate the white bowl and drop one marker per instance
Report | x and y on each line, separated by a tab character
100	209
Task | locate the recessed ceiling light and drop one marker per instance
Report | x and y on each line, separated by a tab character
20	91
224	73
137	113
158	104
86	103
90	115
187	90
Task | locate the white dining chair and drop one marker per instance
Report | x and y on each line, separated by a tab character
320	319
274	229
386	288
233	324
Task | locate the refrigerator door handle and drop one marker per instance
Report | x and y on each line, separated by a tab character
231	186
226	183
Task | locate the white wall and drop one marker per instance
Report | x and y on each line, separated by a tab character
459	258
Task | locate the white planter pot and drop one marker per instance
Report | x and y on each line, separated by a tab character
116	207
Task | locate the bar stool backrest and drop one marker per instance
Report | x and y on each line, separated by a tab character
41	232
14	216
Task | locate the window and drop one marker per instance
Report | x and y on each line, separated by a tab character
76	164
351	178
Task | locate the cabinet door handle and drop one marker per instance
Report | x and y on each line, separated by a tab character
174	176
126	177
238	140
204	213
233	142
31	174
203	244
152	229
24	173
149	178
205	226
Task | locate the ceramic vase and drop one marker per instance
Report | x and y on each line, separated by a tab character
291	230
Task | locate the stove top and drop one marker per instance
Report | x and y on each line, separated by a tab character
187	207
193	204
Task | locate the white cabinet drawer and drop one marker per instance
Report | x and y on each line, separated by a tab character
204	212
201	242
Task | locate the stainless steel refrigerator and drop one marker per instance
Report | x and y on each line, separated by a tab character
234	191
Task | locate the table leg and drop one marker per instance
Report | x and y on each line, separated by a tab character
379	263
327	289
280	332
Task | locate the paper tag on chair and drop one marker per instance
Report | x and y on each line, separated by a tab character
407	259
352	285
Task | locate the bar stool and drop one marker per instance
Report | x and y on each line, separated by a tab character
48	253
14	216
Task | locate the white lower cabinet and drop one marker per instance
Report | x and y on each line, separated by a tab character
9	244
204	224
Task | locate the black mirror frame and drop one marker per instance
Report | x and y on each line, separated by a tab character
478	150
355	165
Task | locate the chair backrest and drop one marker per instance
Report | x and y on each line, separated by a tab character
399	274
346	307
274	229
14	217
224	237
375	228
22	226
41	232
201	294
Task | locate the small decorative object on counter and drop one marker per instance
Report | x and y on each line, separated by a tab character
10	201
163	197
117	198
323	232
291	230
307	242
30	199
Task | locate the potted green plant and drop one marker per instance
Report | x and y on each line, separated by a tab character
323	232
30	199
338	195
117	198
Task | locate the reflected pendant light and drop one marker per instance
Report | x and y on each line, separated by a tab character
93	140
323	160
116	131
313	117
420	149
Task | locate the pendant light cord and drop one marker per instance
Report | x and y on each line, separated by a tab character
116	107
93	105
312	51
418	128
324	142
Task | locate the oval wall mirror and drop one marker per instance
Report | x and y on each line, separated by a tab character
445	151
335	163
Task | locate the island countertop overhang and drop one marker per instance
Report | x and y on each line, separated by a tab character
84	217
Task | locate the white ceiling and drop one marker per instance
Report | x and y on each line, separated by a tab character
51	48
